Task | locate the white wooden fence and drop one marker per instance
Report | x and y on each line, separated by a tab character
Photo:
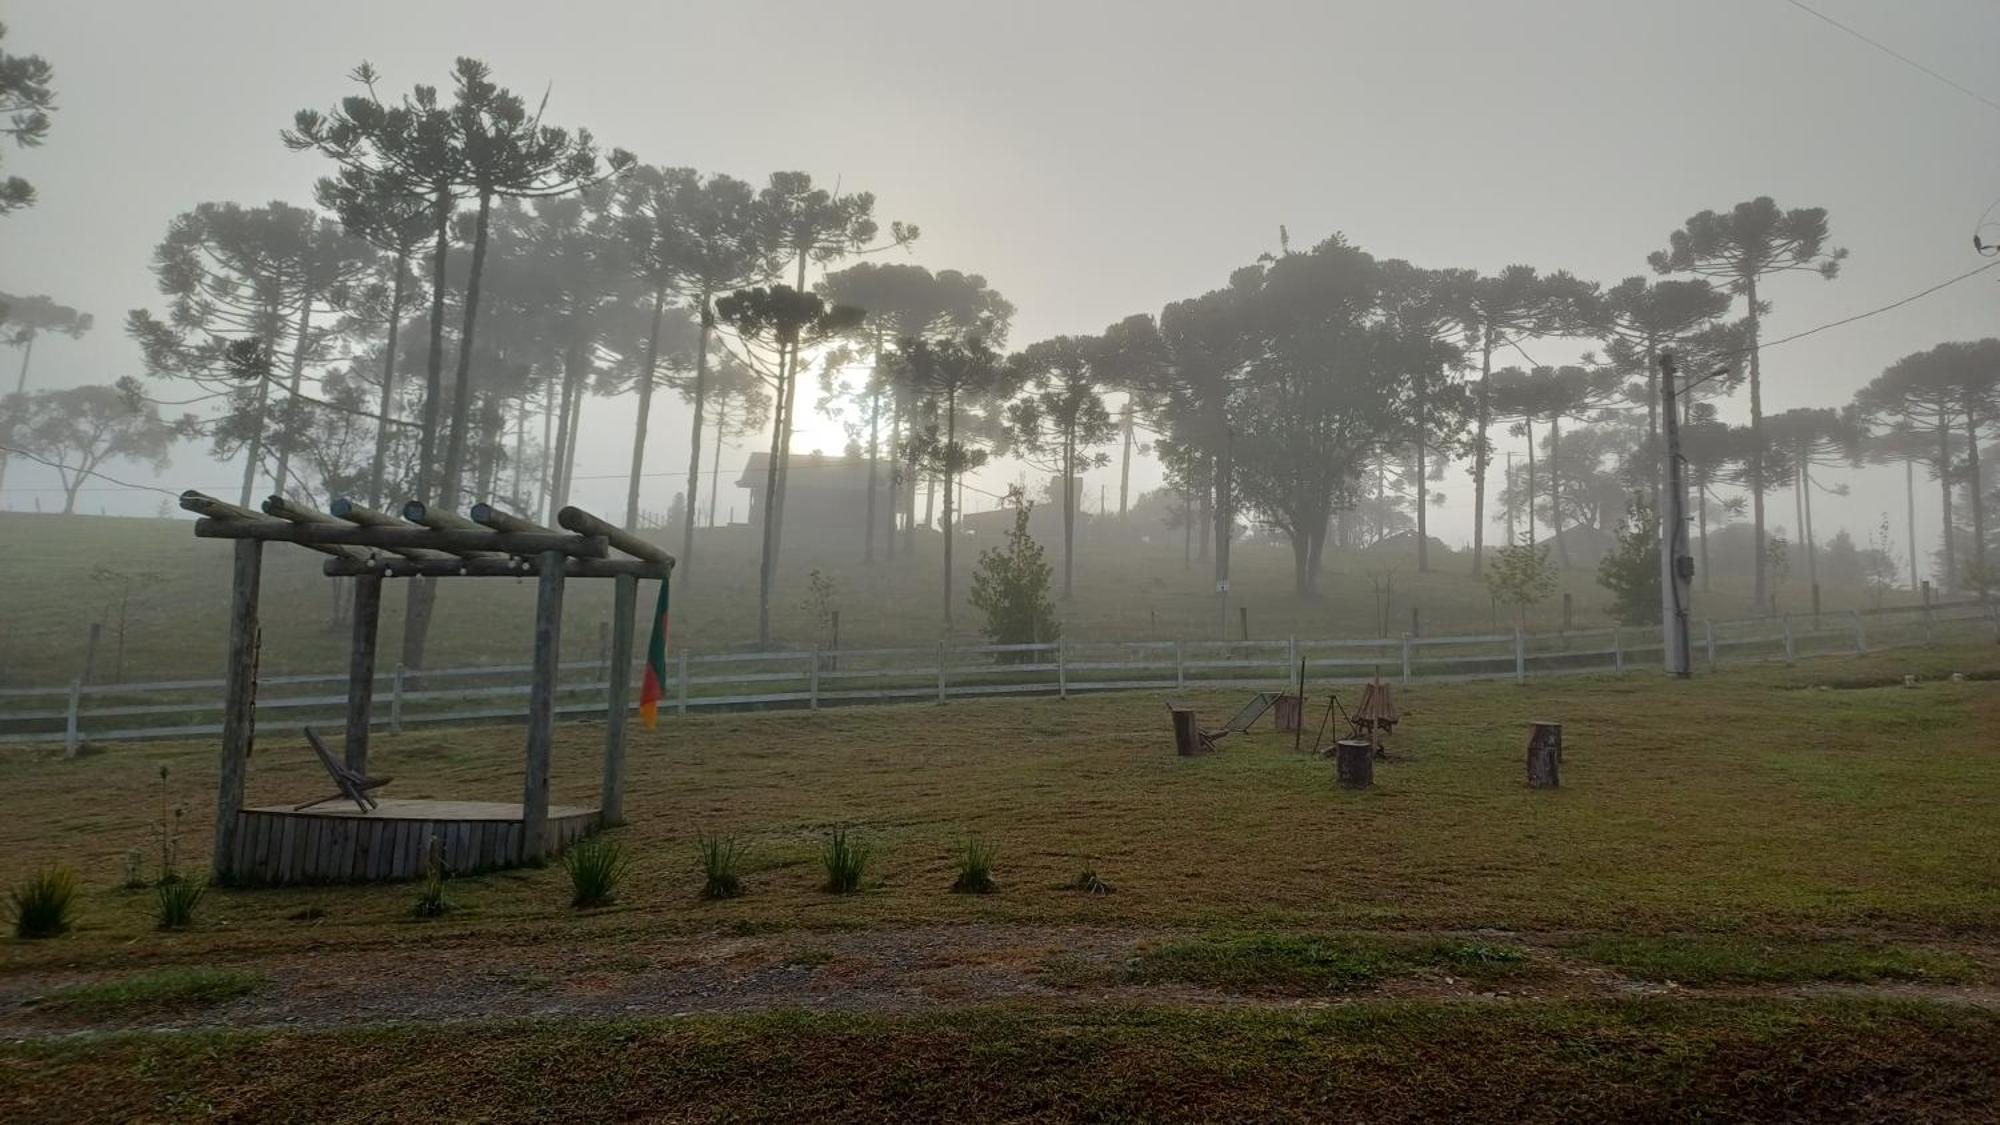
79	713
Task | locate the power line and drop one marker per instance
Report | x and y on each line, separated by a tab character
91	472
1895	54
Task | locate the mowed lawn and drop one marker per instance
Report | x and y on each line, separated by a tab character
1750	799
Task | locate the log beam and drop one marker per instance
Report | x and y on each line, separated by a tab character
583	523
491	567
479	540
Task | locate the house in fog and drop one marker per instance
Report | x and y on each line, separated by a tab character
822	492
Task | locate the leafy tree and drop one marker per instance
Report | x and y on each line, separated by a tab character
23	319
908	302
785	321
948	373
1753	241
1954	386
78	429
1515	304
1521	576
27	97
1057	419
1426	311
248	285
1632	570
1011	587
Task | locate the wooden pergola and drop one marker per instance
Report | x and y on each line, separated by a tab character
369	546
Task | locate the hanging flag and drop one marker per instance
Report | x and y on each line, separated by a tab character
654	688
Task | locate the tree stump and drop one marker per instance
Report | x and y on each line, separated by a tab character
1545	754
1290	715
1354	761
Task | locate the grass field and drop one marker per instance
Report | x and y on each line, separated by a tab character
1755	897
178	596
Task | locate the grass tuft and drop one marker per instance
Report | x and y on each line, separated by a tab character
596	865
431	901
1090	882
174	902
41	905
166	988
844	858
720	858
975	869
1742	960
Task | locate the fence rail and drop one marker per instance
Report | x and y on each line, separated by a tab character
77	713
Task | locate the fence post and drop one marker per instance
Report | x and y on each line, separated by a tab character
1406	660
685	683
1930	624
940	671
1790	651
1180	668
812	680
1292	665
396	702
1617	650
1860	632
1520	656
1708	627
1062	669
70	738
90	653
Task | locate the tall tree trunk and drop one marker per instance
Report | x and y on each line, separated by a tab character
1206	525
433	366
520	455
1762	586
1944	489
1301	562
785	450
1910	510
461	392
1480	454
950	463
1125	466
1069	514
1701	507
379	466
1812	548
766	561
1423	483
577	399
715	461
1982	578
1555	491
288	434
874	462
694	437
647	369
1530	423
1187	529
1225	515
545	482
1655	449
253	447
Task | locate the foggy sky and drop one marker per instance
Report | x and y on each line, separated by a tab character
1091	159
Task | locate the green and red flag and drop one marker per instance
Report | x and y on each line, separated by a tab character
654	688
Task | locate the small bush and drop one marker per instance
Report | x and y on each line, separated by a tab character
720	856
431	902
595	867
1090	883
975	870
844	859
41	906
175	900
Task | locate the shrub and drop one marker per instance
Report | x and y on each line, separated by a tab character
175	901
1632	571
41	906
595	866
431	901
1011	587
1090	883
844	858
720	856
975	870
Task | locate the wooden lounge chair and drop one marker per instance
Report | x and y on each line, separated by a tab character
352	786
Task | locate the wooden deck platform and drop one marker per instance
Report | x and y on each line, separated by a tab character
338	843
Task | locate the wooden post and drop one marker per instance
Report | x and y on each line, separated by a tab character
1617	650
1520	656
1354	762
1545	752
239	719
1786	622
1708	628
1293	661
603	645
812	680
542	706
90	653
686	683
361	670
1406	657
1414	631
940	671
71	738
1860	632
396	701
1180	668
1566	610
833	661
1062	671
1243	615
618	699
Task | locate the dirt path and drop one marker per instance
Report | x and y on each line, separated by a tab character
901	970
